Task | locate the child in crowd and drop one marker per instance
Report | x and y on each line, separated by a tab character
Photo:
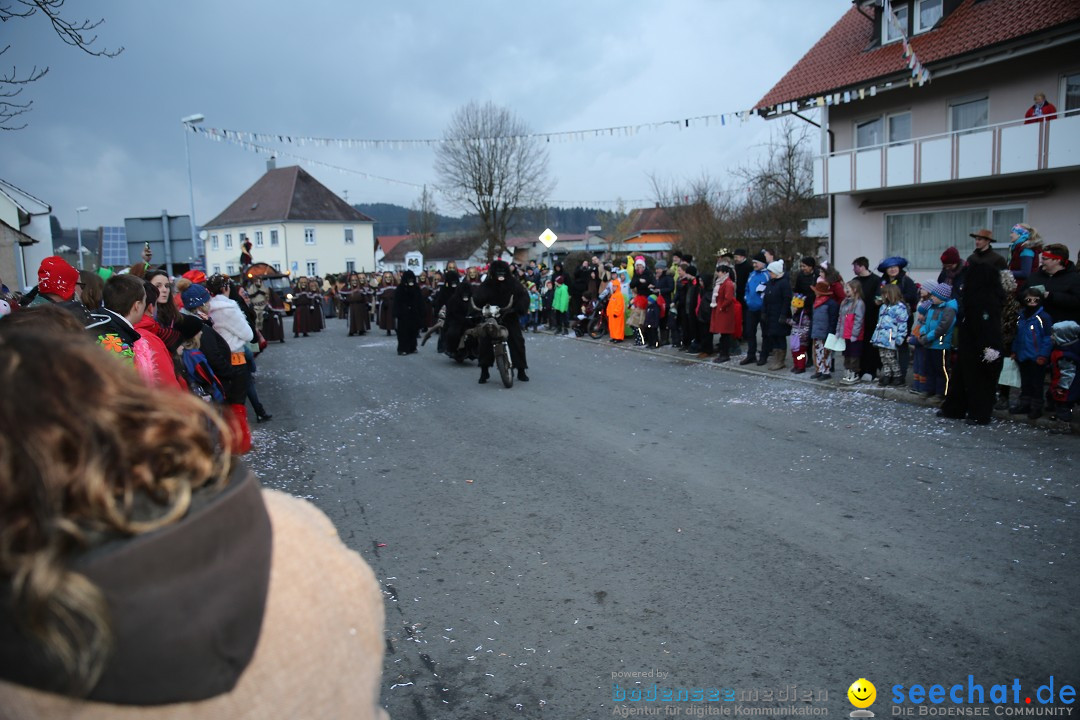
937	336
849	326
196	372
546	299
889	335
588	307
535	304
653	316
1064	362
1031	350
799	341
822	322
918	352
560	304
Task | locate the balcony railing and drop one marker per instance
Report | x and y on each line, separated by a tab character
992	151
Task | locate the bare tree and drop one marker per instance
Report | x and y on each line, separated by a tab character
490	165
73	33
779	193
700	211
623	223
424	221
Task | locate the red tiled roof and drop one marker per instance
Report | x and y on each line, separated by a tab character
654	218
840	59
389	242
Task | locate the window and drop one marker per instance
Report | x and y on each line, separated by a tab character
350	266
228	241
921	237
869	133
309	237
348	236
217	270
214	245
258	238
230	269
273	238
276	266
969	115
889	33
312	268
243	239
1071	92
927	12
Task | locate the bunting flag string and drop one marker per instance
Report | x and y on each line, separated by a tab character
919	73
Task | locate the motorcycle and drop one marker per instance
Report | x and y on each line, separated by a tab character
490	329
598	321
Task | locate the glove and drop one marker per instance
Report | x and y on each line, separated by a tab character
1040	360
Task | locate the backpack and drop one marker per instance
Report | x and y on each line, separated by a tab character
201	379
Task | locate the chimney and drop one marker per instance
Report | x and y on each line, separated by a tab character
271	163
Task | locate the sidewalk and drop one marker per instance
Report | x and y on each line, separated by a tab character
897	394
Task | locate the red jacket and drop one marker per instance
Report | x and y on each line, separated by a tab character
159	369
1048	113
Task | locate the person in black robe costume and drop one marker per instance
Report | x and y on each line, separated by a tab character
408	313
356	298
501	289
454	321
305	310
973	385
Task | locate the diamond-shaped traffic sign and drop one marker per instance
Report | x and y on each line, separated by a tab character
548	238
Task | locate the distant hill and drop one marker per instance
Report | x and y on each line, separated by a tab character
393	219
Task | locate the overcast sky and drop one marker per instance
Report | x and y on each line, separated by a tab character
107	133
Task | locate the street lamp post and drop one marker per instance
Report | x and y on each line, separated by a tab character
189	122
78	231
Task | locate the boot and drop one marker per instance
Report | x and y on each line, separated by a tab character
747	360
1023	405
777	360
522	376
1036	410
484	375
884	380
236	419
722	358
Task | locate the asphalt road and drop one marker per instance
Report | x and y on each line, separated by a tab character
628	512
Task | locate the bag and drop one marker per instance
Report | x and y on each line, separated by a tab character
1010	373
794	343
836	344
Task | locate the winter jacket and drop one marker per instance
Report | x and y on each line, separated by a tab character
1033	336
160	370
616	311
824	318
561	301
1064	361
854	309
1063	288
938	329
755	289
230	323
776	306
724	310
892	327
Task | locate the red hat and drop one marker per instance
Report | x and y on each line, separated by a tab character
57	277
951	256
198	277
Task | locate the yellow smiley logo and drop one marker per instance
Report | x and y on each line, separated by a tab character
862	693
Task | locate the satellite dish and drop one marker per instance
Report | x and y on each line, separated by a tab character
203	234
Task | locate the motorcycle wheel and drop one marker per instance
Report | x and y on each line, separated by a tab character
504	369
597	328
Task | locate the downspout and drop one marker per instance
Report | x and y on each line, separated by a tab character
832	198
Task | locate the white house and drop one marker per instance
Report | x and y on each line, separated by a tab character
912	168
25	236
294	223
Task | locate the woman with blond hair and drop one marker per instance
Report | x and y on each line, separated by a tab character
1024	249
146	574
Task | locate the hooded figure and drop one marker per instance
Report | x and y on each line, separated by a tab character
502	289
408	312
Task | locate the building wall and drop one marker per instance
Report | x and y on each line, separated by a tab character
1009	86
292	254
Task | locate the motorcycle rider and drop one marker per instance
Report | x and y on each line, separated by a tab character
502	289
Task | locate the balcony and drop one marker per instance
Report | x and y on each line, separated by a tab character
999	150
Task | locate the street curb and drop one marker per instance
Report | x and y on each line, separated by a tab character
895	394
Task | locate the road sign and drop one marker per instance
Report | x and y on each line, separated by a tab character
548	238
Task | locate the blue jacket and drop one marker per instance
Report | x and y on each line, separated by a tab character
940	322
754	299
1033	336
891	327
823	321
